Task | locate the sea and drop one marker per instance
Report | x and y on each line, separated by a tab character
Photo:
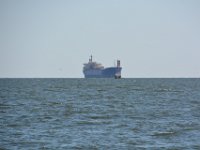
100	114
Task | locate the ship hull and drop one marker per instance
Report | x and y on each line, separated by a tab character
111	72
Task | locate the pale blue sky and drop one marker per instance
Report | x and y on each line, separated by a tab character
53	38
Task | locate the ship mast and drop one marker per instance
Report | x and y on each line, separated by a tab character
91	58
118	63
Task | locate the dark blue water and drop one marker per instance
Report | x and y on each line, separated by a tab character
99	114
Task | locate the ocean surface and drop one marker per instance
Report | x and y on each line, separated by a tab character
99	114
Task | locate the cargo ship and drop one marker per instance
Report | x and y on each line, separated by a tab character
93	69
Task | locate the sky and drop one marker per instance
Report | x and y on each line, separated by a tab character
53	38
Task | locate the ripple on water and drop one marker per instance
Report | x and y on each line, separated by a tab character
99	114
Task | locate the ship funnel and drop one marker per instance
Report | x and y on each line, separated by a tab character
118	63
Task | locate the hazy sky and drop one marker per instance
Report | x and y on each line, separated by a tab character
53	38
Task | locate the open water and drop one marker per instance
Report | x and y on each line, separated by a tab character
100	114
